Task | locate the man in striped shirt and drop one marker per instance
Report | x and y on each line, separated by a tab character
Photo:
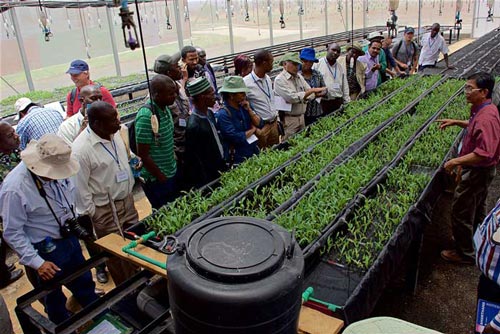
487	244
155	142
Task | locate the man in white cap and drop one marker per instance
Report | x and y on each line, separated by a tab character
105	181
35	121
80	75
37	207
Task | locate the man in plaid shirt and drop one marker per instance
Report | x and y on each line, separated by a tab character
37	122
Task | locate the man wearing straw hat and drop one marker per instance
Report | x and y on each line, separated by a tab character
37	207
355	70
204	152
294	92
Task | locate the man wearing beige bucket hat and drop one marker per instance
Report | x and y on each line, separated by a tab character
37	207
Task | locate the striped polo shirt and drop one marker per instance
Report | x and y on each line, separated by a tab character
488	253
161	149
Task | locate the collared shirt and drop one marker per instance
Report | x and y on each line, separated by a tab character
483	134
292	88
313	106
73	108
430	49
261	96
335	79
7	163
36	123
104	169
233	123
180	116
69	129
27	218
488	253
371	77
161	148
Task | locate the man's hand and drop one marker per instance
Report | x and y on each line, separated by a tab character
375	67
403	66
245	105
446	122
451	67
48	270
490	330
450	165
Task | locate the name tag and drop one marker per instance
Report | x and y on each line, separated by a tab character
252	139
336	85
121	176
182	122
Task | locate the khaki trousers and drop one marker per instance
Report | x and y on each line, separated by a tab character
103	223
293	124
268	135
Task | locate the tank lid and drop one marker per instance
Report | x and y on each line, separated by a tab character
235	249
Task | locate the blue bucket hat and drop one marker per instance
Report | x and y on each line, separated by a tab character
77	66
308	54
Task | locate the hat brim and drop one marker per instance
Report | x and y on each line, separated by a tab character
73	71
355	48
314	60
35	164
234	90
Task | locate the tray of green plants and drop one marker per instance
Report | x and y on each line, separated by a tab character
320	207
265	201
194	204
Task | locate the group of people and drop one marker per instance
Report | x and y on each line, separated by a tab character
65	178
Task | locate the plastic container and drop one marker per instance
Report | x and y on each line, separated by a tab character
235	275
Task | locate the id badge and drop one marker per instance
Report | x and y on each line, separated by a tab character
336	85
121	176
182	122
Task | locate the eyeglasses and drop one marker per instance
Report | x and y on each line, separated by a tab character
470	89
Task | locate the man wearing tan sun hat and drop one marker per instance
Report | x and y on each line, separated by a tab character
37	207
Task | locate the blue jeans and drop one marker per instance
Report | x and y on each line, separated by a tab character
68	257
159	193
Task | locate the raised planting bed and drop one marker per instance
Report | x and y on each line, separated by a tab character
378	233
196	204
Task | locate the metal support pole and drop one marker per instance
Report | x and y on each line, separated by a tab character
178	24
300	11
113	42
419	21
346	15
365	5
22	52
475	21
326	17
230	23
270	16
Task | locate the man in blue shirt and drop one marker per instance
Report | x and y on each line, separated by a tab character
36	201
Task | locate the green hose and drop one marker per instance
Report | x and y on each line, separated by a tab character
307	295
128	249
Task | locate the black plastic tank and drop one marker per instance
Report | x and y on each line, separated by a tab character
235	275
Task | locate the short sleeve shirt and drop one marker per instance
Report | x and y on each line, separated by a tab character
161	148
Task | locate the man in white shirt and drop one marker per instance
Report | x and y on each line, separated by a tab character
105	180
71	127
432	44
335	77
261	97
291	86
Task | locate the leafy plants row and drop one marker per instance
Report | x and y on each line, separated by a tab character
195	203
374	223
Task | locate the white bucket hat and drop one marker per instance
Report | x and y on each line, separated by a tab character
50	157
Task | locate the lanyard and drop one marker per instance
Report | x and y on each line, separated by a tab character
433	41
334	75
268	93
115	157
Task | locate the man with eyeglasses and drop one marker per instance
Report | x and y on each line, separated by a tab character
372	64
475	166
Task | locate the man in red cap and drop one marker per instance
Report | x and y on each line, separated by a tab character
80	75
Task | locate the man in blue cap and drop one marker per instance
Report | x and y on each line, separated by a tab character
80	75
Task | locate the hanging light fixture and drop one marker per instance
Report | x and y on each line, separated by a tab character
282	13
167	14
43	19
247	16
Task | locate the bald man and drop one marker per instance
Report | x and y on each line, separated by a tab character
72	126
155	144
105	180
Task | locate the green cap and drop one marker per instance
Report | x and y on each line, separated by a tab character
197	86
291	56
233	84
356	46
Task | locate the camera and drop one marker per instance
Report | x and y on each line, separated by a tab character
71	227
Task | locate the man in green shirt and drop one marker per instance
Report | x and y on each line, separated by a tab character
154	134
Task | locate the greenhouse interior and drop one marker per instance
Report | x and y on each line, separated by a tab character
249	166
